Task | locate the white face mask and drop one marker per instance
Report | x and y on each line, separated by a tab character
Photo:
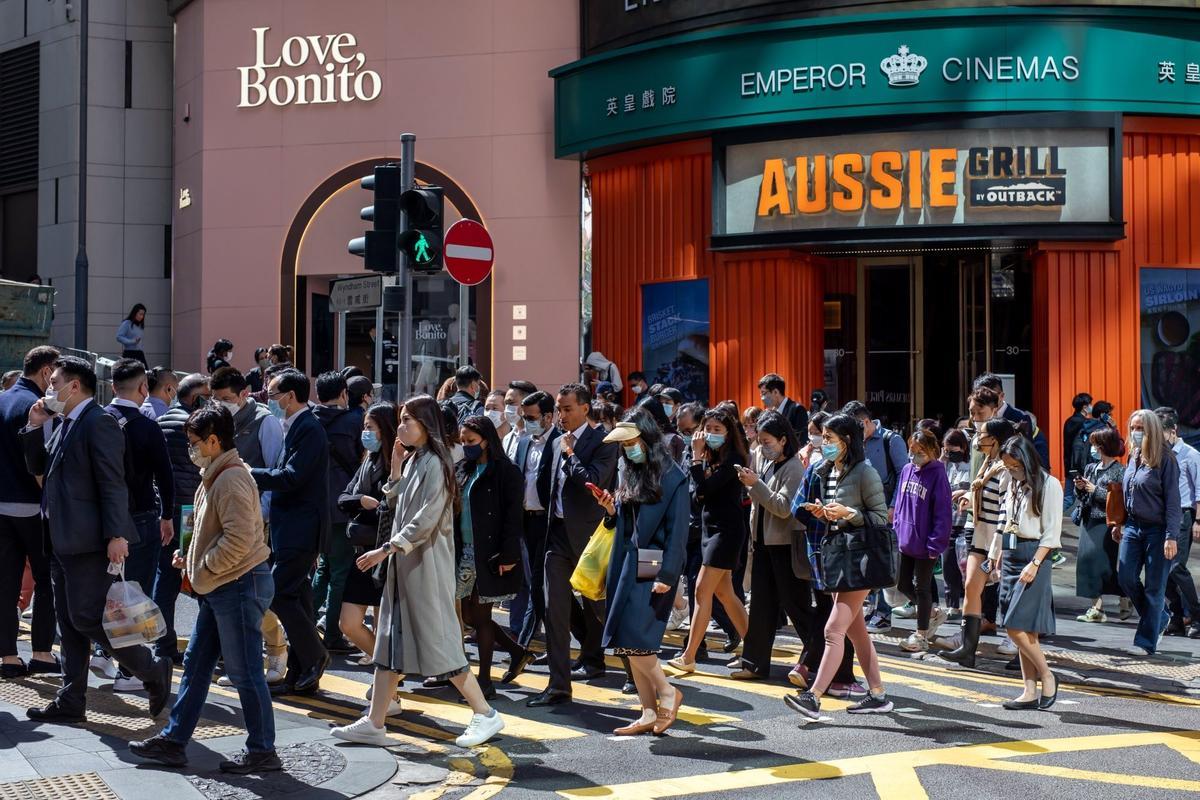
512	415
52	402
497	417
232	408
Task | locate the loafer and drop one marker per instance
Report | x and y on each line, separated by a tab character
159	689
587	673
550	697
10	671
38	667
629	688
160	749
282	689
667	716
733	644
247	763
634	729
517	666
1021	705
310	680
56	714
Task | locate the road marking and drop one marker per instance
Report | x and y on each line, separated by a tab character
898	784
896	768
1147	781
777	691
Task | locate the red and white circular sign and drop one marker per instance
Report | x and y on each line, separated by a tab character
467	251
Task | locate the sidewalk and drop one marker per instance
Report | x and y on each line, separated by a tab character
93	761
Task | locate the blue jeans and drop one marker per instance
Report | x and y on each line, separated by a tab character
229	625
1142	548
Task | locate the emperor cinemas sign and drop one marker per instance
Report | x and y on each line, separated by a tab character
917	178
307	70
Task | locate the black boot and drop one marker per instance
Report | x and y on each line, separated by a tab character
965	654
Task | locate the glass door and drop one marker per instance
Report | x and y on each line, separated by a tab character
891	367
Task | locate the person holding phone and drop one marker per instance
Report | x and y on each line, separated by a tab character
1096	565
650	512
717	451
487	538
851	496
984	502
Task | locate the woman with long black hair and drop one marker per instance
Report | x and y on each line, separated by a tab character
650	512
131	332
487	536
220	355
851	496
718	449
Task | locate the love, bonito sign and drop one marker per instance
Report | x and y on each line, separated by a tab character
336	72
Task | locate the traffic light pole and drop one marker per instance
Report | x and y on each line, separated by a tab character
408	178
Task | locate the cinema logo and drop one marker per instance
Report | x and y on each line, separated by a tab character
1015	177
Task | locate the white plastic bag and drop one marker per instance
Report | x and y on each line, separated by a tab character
131	618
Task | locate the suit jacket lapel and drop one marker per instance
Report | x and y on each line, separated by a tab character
63	440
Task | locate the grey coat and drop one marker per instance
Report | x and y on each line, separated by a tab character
860	489
418	632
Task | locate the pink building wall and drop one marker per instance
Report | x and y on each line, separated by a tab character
469	78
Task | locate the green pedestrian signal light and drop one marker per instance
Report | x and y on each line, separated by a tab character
421	240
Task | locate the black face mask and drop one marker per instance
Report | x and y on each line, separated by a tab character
956	456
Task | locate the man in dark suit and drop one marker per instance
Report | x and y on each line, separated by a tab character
87	504
1023	421
299	487
534	449
577	458
773	391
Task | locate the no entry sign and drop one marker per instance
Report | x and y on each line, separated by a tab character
467	249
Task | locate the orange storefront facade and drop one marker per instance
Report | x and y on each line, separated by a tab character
1059	258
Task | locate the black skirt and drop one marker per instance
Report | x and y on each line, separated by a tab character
361	589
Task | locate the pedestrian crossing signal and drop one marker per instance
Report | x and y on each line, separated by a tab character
421	240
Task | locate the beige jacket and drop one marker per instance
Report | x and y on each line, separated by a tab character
227	539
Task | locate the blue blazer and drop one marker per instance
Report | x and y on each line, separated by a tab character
637	618
299	487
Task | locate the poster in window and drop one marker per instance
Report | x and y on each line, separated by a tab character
675	336
1170	339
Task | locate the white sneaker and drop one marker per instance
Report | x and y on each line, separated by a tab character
679	616
362	732
949	642
937	618
1007	648
276	668
906	611
1140	652
365	660
28	612
125	685
104	667
481	729
224	681
915	643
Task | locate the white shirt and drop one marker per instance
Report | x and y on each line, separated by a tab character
533	459
121	401
287	423
562	468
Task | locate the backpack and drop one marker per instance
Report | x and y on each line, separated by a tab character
889	480
1081	448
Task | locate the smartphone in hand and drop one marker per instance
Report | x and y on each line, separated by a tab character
596	491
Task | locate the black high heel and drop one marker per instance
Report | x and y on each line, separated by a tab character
1047	700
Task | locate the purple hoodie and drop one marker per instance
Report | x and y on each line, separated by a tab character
922	519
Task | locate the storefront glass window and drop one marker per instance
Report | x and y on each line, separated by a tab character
1170	339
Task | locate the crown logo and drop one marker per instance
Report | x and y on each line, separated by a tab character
904	68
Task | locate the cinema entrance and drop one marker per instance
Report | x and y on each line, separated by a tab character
909	332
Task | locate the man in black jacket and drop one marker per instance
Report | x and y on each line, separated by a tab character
147	465
21	524
773	391
343	428
538	433
467	381
299	487
87	505
575	459
193	393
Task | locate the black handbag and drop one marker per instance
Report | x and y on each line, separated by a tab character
649	563
383	533
859	558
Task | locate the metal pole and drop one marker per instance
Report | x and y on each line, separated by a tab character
408	177
341	335
379	342
464	325
81	259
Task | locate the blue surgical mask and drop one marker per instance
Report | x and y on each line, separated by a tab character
275	409
636	453
370	441
831	451
1137	437
534	427
1095	453
714	440
472	452
669	409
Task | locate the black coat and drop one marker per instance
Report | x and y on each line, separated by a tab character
343	429
299	487
497	525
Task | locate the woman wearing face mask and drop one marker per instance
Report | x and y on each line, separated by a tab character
254	378
363	502
848	493
983	501
775	582
131	332
717	451
1096	566
418	632
1153	516
750	426
487	535
956	457
922	523
649	511
220	355
810	453
1032	529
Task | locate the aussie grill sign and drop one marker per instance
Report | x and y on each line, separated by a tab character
915	179
307	70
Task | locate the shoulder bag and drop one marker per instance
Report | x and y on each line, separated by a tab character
860	558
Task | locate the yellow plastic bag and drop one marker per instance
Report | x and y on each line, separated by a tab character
591	573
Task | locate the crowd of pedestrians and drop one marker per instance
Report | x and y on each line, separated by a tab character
312	520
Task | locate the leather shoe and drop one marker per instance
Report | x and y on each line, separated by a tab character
635	728
587	673
1020	705
159	689
550	697
310	679
1047	700
285	687
56	714
541	660
517	666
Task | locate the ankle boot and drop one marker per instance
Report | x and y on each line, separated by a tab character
965	654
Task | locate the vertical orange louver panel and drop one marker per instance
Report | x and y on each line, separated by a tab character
1086	299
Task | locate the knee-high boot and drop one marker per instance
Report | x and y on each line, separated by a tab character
965	653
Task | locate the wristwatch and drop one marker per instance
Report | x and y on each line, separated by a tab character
388	547
1037	562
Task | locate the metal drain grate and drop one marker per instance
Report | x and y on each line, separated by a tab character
124	716
84	786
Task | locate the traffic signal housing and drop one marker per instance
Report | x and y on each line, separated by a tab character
421	241
378	245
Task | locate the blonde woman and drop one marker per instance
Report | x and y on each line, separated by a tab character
1148	540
